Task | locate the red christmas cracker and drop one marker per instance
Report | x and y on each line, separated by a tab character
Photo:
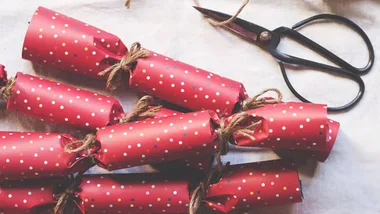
34	155
78	47
291	125
155	140
246	186
197	134
120	146
62	104
121	193
240	187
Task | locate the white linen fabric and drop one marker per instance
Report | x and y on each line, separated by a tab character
345	183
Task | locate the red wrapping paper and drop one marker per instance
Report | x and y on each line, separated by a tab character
62	104
123	193
34	155
241	187
78	47
157	140
292	125
191	135
137	194
248	186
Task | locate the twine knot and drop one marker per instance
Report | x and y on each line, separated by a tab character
200	192
68	195
126	64
225	133
256	102
80	145
142	110
6	91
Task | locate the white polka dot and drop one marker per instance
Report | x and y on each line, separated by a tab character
307	119
301	126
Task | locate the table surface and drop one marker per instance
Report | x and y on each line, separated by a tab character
345	183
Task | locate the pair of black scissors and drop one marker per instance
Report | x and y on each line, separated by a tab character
269	40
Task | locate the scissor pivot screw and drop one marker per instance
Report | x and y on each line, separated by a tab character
265	36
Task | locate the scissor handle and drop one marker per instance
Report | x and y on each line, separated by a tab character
347	106
329	54
345	69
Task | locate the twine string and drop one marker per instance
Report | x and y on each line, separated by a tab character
6	91
128	4
225	22
81	145
256	101
200	192
213	22
68	194
126	63
142	110
225	132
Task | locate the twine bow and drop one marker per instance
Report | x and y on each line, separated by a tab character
125	64
81	145
68	194
256	102
6	91
234	127
225	133
142	110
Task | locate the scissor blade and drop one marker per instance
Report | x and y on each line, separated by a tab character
245	29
